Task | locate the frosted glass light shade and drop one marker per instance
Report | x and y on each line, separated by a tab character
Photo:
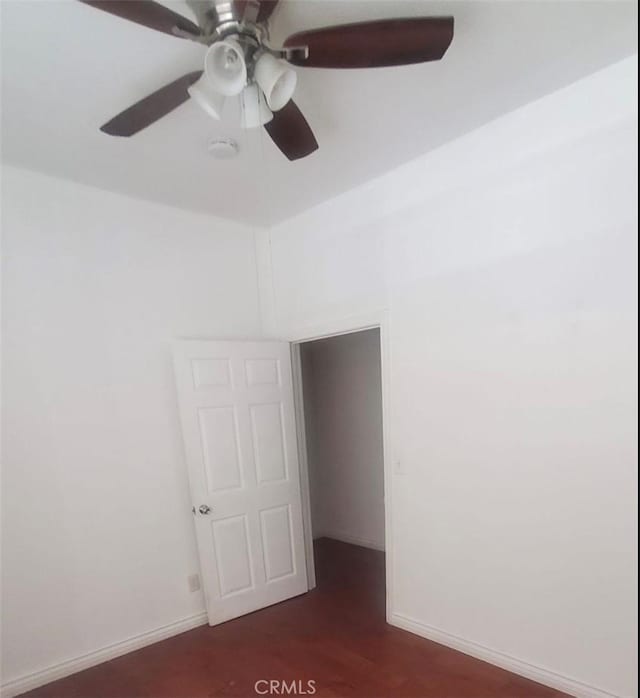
225	67
255	112
206	97
276	80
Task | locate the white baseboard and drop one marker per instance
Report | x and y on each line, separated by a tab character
568	685
354	540
58	671
517	666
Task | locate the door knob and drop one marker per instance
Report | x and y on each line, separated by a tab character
204	509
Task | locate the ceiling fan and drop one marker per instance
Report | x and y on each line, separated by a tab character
240	61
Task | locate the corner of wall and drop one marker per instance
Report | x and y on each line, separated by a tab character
264	271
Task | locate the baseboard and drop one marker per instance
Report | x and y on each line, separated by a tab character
517	666
354	540
58	671
568	685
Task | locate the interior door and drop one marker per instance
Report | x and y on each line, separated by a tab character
237	413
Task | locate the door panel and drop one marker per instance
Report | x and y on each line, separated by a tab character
236	409
208	373
268	442
277	542
232	557
220	448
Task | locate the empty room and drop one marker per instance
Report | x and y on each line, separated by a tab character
319	348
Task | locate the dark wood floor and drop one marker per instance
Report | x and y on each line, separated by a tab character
335	635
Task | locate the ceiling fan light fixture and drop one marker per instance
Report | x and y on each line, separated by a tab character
255	111
225	67
207	98
276	79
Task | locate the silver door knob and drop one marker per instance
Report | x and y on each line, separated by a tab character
204	509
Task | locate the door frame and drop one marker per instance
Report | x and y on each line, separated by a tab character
377	320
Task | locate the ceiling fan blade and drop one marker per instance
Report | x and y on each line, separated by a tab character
148	13
151	108
290	131
385	42
264	11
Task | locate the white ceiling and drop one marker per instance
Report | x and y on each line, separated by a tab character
67	68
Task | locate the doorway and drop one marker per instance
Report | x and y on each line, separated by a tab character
242	411
340	391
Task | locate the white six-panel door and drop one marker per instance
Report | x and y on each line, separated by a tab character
237	413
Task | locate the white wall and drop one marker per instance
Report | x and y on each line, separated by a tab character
506	262
343	418
97	533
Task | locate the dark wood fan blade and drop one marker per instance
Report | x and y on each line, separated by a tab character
290	131
264	11
149	14
375	44
151	108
